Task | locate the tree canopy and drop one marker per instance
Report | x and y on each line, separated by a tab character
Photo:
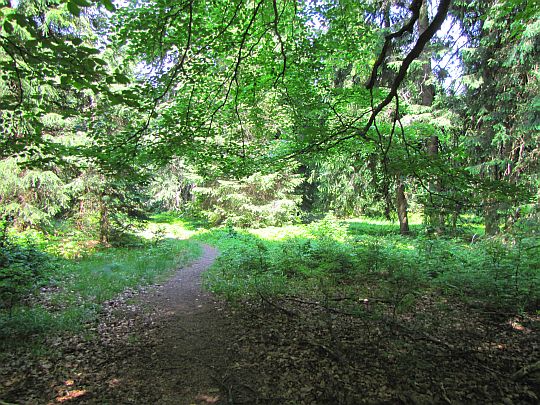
236	88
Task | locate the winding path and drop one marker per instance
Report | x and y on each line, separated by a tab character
180	357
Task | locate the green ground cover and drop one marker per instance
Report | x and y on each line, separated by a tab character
357	260
63	280
50	287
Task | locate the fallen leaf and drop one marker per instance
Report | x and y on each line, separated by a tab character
70	395
207	399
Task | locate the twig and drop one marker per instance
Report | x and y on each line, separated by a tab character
444	395
267	301
422	335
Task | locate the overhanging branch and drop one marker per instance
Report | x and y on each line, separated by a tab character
423	39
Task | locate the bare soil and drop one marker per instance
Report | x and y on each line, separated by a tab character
185	342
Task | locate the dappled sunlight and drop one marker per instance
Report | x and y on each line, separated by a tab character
279	233
269	202
525	324
68	391
364	289
170	225
172	231
207	399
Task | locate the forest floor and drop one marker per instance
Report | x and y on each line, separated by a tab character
175	344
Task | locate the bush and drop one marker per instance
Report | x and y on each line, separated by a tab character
501	272
325	260
305	258
31	196
22	269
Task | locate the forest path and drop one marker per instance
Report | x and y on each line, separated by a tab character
179	344
176	344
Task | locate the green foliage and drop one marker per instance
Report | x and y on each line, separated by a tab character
347	186
74	290
172	187
109	204
325	262
49	65
231	111
242	268
31	196
329	228
23	268
499	105
492	271
254	201
377	227
104	274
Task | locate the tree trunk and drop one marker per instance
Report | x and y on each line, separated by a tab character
402	207
387	195
427	95
491	218
103	222
387	77
427	90
307	189
79	223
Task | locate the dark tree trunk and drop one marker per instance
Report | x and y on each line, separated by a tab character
401	202
427	90
387	77
307	189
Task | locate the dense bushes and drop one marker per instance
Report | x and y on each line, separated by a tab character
22	268
322	259
257	200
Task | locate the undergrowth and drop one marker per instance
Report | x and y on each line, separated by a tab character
357	263
47	287
61	293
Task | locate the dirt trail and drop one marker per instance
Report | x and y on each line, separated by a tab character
178	362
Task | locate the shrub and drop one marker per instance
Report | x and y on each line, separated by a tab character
22	268
31	196
502	272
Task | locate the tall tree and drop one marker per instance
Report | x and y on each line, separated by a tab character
502	86
427	95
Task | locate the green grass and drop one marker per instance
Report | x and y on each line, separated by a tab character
76	288
330	258
104	274
371	226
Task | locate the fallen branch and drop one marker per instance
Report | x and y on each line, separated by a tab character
526	370
273	304
415	334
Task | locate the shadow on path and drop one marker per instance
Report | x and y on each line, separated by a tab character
181	344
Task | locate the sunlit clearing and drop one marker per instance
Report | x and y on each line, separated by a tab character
279	233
